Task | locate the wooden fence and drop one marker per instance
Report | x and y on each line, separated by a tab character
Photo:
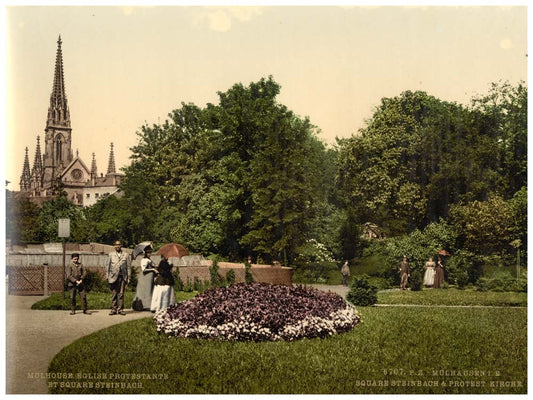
42	274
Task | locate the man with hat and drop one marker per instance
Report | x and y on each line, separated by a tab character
118	269
77	274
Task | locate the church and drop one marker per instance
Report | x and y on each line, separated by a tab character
58	169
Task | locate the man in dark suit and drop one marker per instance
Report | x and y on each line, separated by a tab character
76	276
118	271
404	273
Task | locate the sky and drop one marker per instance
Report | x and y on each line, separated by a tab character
126	66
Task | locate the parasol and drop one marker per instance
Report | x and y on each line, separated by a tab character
140	248
172	250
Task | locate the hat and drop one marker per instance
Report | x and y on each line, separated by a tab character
117	242
75	255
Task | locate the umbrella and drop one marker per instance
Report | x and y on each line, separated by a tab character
140	248
444	253
172	250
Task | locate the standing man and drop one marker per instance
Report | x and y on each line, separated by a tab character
345	271
77	274
404	273
118	270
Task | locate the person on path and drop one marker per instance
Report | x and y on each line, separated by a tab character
345	271
145	283
429	275
118	269
163	295
75	278
439	274
404	273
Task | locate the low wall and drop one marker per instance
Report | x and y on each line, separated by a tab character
43	273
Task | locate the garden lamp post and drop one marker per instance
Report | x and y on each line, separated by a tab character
63	231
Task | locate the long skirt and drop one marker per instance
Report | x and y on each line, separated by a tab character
162	297
429	277
143	294
439	278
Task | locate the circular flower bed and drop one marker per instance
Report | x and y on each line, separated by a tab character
258	312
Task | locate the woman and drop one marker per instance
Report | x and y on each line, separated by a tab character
429	276
163	295
145	283
439	274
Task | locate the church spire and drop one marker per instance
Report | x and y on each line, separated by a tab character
38	160
37	170
94	171
25	178
111	165
58	112
58	133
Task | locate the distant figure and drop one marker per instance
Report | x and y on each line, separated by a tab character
118	277
439	274
345	271
145	283
77	274
163	295
404	273
429	276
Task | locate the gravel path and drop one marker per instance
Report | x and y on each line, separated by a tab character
34	337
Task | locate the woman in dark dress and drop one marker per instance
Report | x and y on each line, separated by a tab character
439	274
163	295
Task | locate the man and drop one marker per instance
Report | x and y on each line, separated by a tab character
118	270
345	271
77	274
404	273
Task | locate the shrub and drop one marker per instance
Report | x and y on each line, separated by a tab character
230	277
316	262
362	293
502	282
94	282
248	278
416	280
216	279
258	312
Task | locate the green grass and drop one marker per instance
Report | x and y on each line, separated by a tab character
400	347
95	300
452	296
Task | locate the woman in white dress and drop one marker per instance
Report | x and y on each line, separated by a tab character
145	283
163	295
429	276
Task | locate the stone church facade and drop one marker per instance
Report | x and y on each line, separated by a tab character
58	169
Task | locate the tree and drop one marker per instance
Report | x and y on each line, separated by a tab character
417	156
21	219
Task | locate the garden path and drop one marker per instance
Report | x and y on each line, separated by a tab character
34	337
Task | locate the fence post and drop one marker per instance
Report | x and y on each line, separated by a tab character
45	265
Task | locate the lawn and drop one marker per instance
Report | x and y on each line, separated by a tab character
456	297
95	300
393	350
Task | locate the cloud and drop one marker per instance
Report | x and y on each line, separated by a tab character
220	19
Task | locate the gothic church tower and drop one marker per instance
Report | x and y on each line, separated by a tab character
58	151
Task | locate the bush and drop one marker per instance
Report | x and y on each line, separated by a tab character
362	292
502	282
316	262
216	279
248	278
94	282
416	280
230	277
